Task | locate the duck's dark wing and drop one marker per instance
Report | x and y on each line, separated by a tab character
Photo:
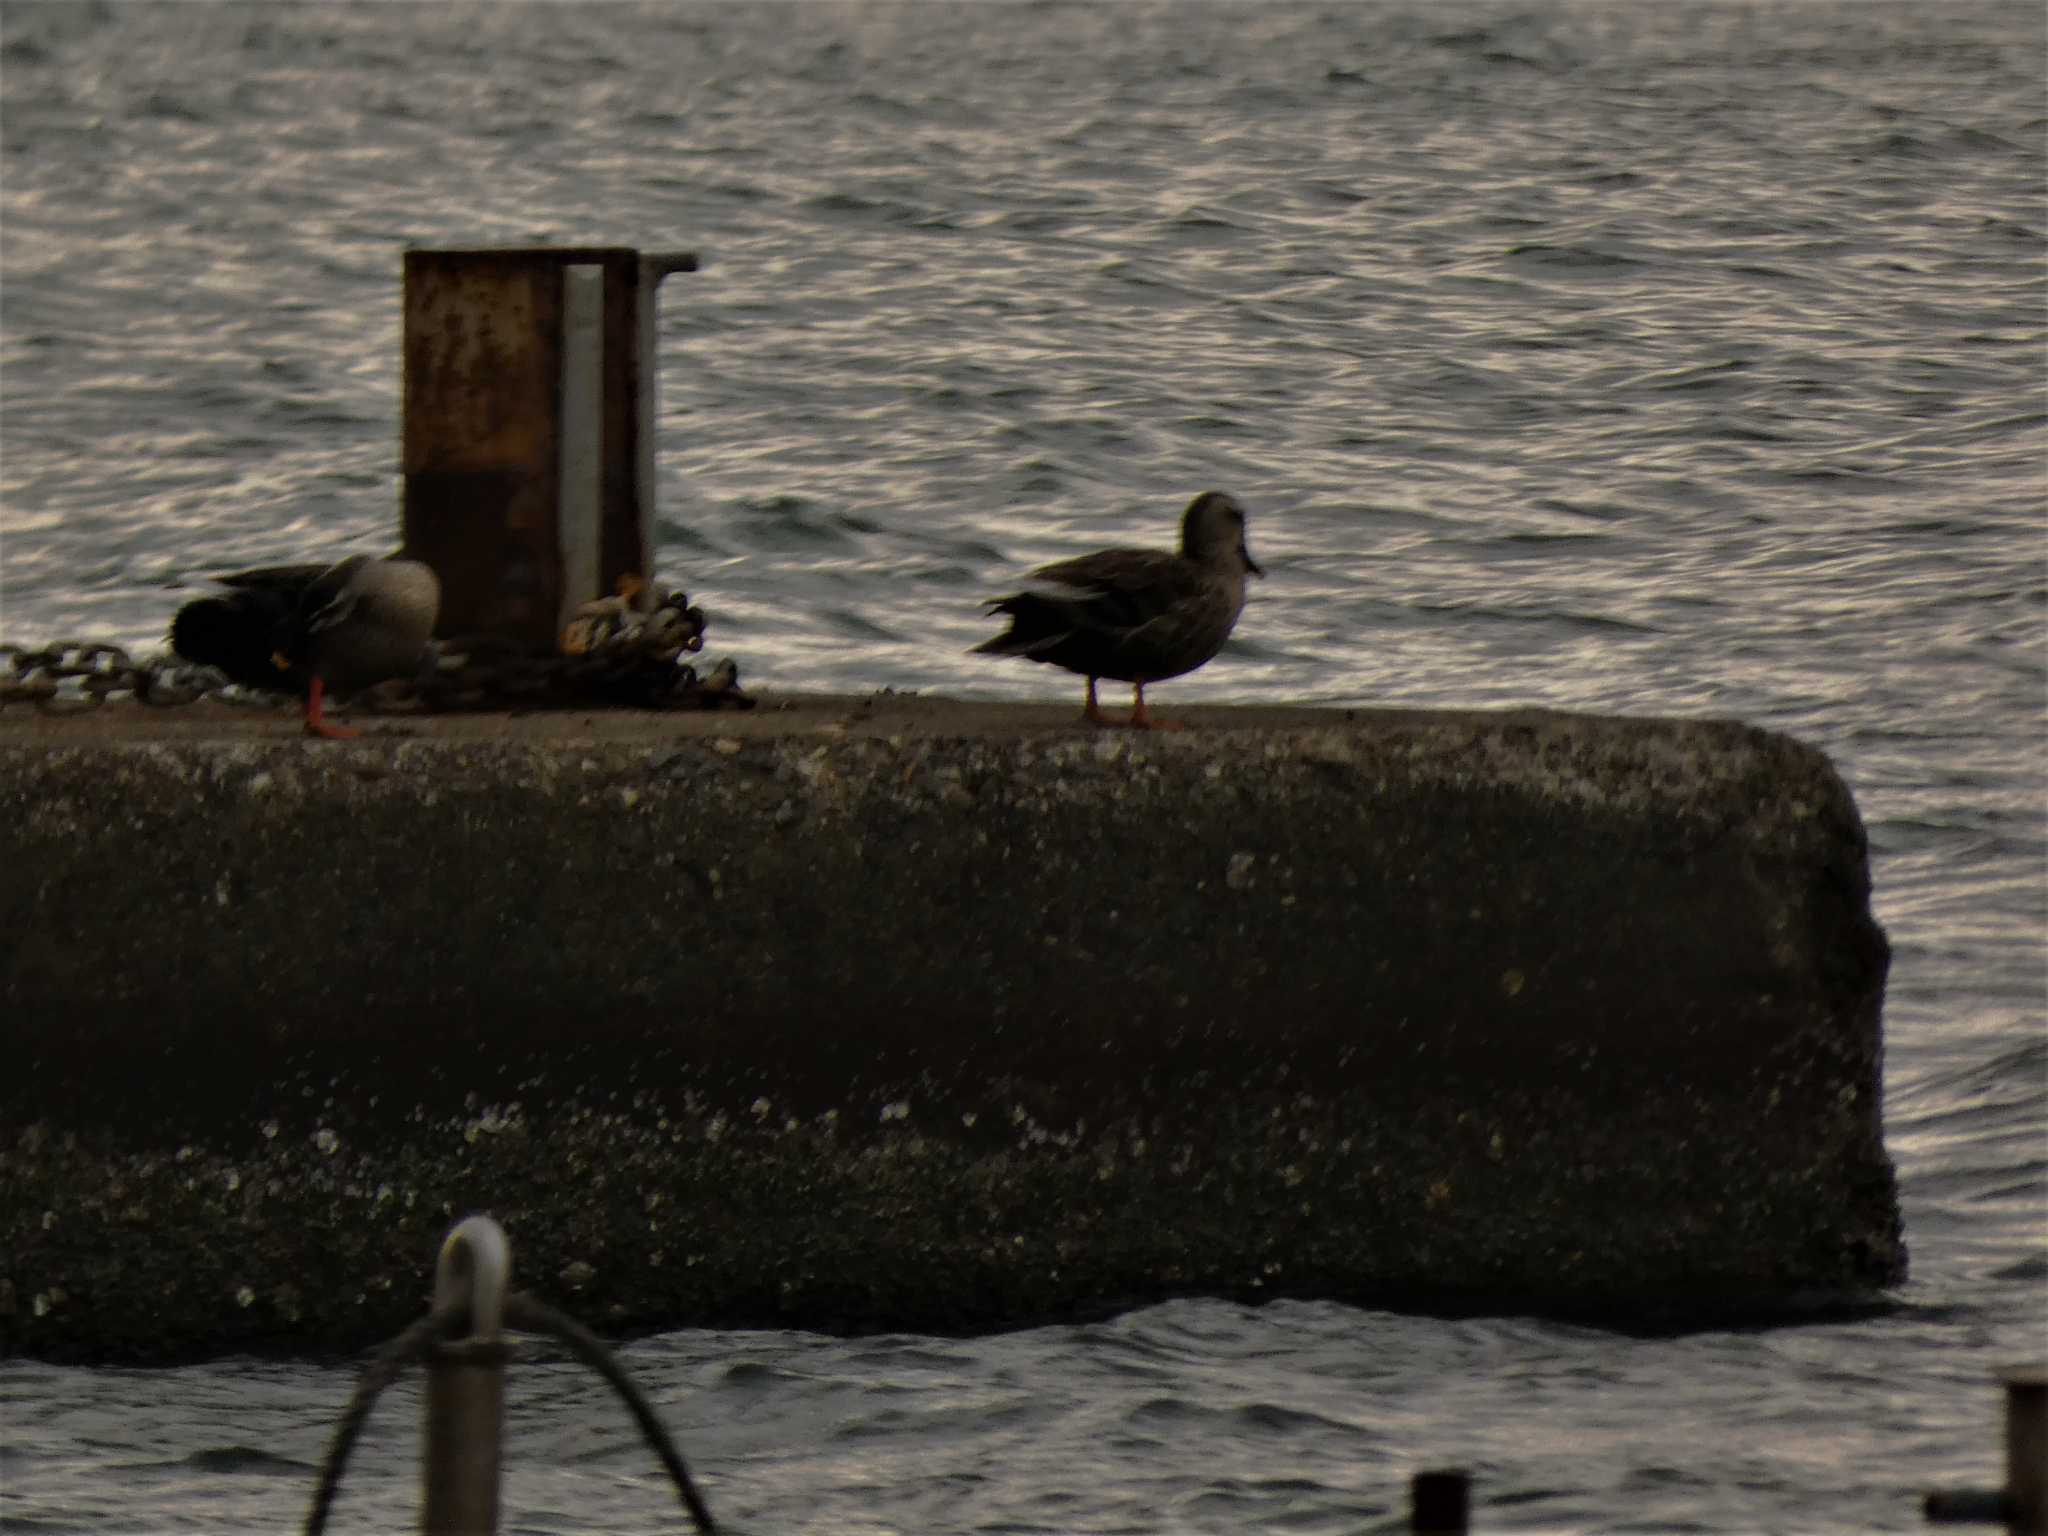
287	580
1117	614
333	597
1119	589
316	597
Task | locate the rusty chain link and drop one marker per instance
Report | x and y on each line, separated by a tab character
627	660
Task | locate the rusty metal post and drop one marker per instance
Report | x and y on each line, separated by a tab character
1440	1502
465	1409
527	448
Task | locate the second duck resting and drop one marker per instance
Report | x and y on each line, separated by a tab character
1136	616
315	627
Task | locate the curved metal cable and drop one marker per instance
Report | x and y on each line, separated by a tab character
384	1368
527	1314
535	1316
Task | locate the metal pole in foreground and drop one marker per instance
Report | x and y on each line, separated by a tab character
466	1384
1440	1503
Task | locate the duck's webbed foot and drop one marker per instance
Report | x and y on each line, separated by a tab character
1143	720
317	724
1092	711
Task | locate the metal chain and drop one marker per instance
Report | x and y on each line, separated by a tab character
626	659
67	676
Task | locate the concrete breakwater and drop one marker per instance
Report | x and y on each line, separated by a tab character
912	1013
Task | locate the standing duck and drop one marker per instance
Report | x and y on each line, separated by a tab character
342	627
1135	615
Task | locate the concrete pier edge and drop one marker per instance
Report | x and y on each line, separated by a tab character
906	1012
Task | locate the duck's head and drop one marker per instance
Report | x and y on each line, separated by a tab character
1212	531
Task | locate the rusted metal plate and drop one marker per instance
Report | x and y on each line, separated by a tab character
482	337
482	353
483	448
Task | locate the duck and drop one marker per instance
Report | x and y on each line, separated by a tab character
344	627
1135	616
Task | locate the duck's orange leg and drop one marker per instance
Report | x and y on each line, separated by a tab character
318	724
1142	721
1092	712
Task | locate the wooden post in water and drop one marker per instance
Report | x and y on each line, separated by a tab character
1440	1502
528	449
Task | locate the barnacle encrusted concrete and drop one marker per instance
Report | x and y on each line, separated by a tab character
911	1013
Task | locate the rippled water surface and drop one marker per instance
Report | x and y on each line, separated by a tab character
1665	359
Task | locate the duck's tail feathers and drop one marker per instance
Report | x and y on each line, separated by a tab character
1036	626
